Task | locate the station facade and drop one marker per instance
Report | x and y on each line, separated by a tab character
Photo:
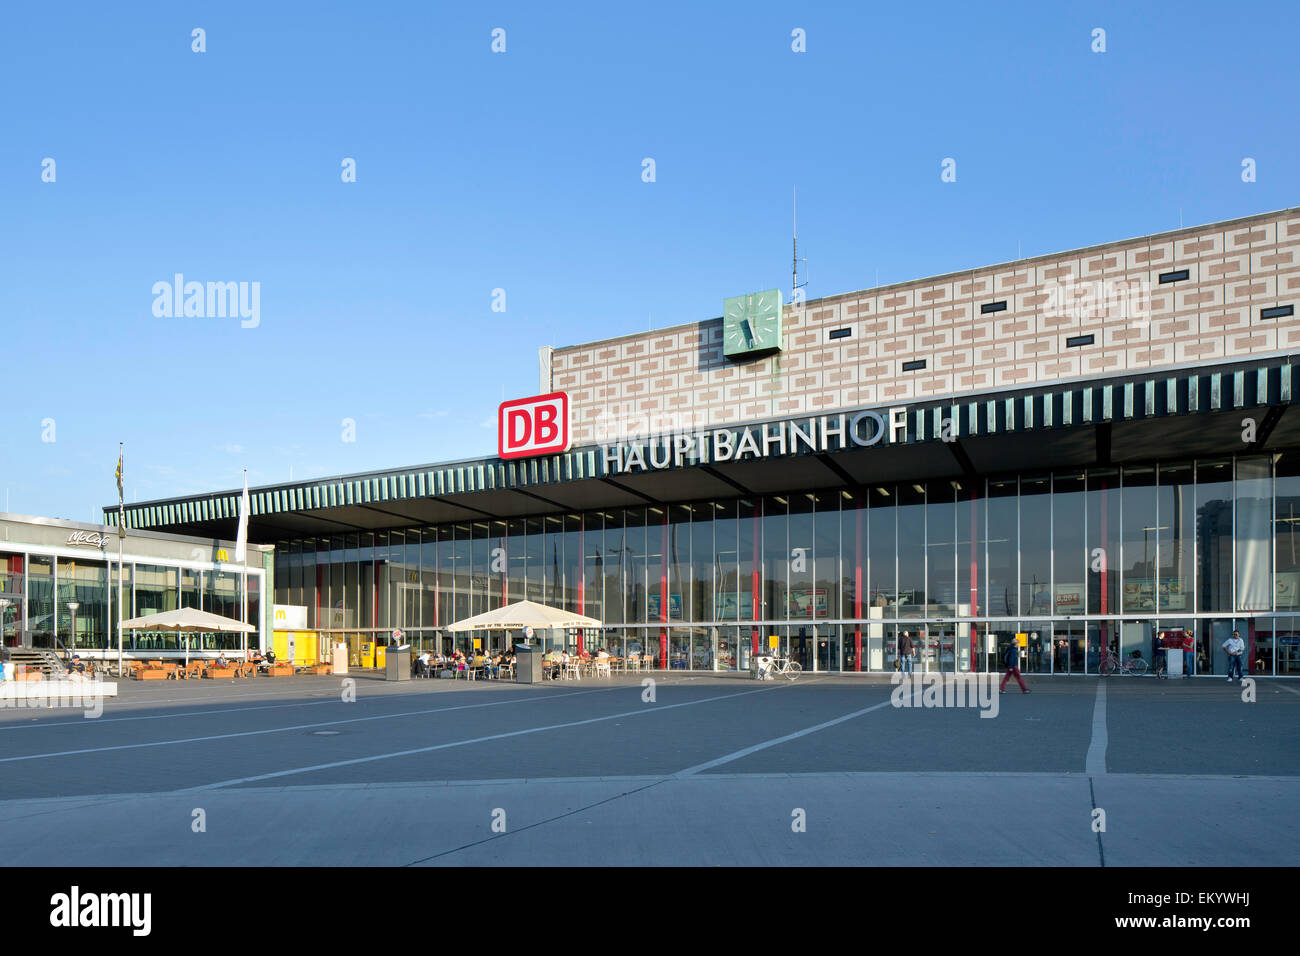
60	583
1088	448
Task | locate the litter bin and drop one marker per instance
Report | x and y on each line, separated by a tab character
528	664
397	664
760	667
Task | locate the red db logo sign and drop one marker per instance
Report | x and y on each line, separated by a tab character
533	426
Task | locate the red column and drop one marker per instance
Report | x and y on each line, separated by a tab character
857	588
1104	630
756	598
974	576
582	574
663	592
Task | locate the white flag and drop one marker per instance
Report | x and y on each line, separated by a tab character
241	540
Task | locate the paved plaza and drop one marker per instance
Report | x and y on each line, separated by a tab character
716	770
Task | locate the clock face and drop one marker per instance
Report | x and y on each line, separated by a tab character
751	324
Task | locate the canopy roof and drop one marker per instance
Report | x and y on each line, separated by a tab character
187	619
523	614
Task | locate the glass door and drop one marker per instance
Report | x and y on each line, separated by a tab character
1038	652
1069	646
1102	644
1211	658
928	651
803	643
828	647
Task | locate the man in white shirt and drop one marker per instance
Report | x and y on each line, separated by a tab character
1234	646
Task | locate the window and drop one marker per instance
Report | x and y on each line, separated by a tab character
840	334
1277	312
1075	341
989	307
1177	276
914	366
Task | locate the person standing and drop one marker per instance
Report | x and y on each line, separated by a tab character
1235	646
905	652
1013	667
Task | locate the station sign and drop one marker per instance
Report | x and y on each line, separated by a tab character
527	427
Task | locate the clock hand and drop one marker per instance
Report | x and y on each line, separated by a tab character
749	331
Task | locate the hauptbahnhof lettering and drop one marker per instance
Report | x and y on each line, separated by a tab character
967	457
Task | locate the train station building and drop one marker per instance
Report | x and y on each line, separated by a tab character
1089	448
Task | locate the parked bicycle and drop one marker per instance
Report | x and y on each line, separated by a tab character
786	667
1125	667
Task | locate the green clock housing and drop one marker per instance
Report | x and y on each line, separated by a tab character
751	324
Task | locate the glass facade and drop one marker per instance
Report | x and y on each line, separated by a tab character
38	591
1078	560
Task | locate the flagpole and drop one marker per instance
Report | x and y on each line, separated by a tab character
243	611
121	534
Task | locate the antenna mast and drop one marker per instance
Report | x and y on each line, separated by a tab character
795	284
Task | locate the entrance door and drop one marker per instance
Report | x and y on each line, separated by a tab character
1210	656
1102	644
802	645
928	648
828	647
1068	647
11	614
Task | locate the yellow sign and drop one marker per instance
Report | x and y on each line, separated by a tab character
1022	640
478	643
280	615
222	556
772	641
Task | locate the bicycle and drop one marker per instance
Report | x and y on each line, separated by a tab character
1127	667
786	667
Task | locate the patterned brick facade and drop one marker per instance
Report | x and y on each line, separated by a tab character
677	378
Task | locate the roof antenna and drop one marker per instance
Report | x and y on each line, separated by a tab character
795	284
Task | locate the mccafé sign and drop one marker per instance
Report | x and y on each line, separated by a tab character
90	539
817	434
533	426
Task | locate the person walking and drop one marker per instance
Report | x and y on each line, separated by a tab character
905	652
1235	646
1013	667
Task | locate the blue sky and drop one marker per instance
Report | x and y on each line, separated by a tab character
522	171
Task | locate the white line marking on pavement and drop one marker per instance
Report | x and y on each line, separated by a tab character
334	698
655	709
80	801
280	730
1095	761
1284	687
689	771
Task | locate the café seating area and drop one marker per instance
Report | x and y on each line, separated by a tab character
211	669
